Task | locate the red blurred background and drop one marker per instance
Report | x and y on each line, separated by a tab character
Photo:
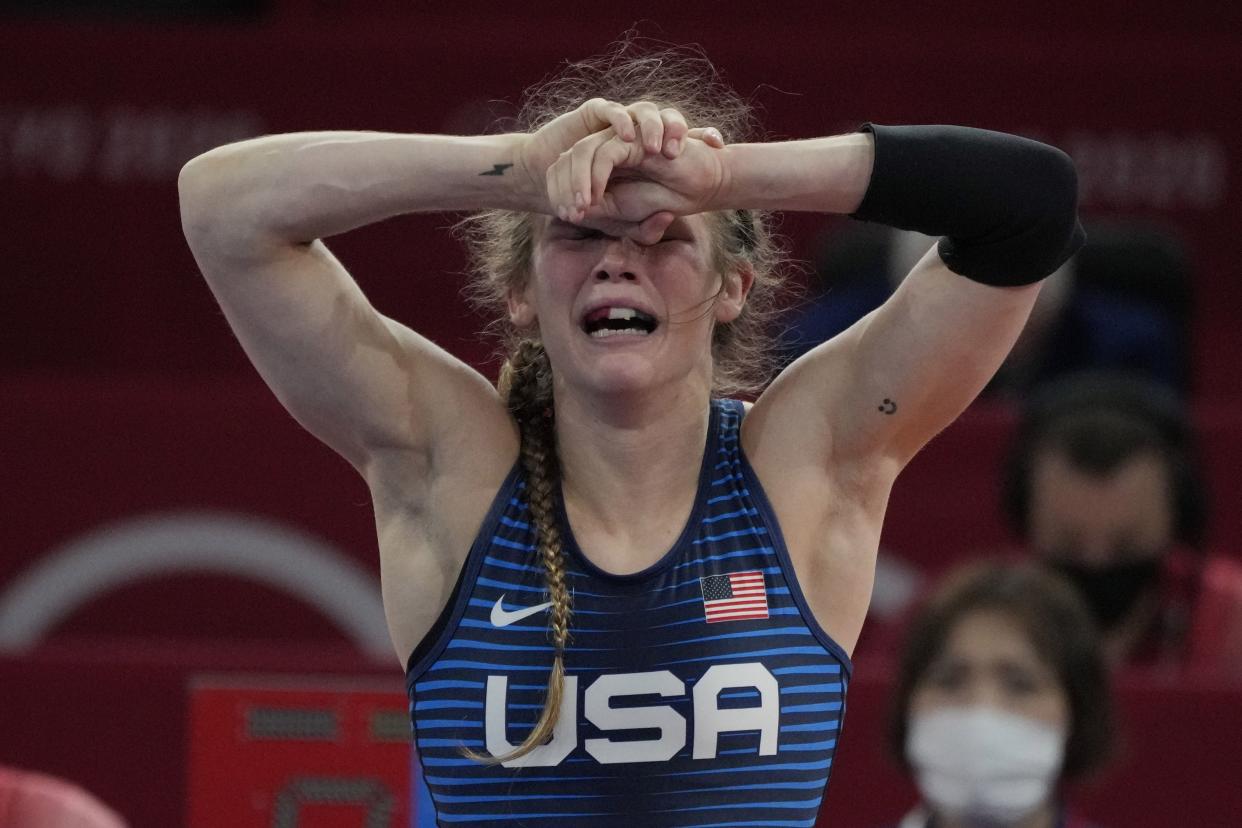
123	396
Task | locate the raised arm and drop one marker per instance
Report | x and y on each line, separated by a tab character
254	214
1006	210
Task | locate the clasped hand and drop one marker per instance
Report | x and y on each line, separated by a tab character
626	170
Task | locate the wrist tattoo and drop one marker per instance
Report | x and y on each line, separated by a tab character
888	407
497	169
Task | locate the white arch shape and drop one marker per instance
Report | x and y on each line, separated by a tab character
181	542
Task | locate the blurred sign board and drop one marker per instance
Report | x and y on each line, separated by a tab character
267	752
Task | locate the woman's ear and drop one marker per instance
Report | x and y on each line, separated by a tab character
734	288
521	308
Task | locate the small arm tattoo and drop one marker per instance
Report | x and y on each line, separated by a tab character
497	169
889	406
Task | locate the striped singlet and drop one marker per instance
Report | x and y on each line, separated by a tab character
698	692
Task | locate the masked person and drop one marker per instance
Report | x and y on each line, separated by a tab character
1001	696
1103	486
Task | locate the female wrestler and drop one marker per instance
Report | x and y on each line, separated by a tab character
704	568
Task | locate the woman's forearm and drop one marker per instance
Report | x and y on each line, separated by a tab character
302	186
823	175
1006	206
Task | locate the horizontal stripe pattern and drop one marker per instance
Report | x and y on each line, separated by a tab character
649	623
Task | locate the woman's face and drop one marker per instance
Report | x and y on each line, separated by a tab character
988	660
616	316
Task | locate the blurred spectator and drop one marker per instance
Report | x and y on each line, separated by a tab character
1123	304
1002	695
1102	485
34	800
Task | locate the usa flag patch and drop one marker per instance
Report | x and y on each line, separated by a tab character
734	597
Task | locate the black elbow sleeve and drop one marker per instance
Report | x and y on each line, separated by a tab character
1005	206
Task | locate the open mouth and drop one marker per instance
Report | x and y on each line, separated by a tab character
605	322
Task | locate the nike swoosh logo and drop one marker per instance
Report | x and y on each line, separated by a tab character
502	617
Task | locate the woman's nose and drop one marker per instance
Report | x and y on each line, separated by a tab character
617	260
605	275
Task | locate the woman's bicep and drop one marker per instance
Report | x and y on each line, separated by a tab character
908	369
872	396
357	380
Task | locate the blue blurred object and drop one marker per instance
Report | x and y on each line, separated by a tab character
1122	304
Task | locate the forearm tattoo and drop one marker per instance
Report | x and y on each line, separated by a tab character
888	406
497	169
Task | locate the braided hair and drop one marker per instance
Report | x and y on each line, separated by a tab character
526	385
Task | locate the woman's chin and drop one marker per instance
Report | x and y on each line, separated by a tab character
624	367
623	373
624	379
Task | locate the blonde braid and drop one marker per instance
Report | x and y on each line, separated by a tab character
526	385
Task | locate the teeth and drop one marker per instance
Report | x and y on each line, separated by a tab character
608	321
603	332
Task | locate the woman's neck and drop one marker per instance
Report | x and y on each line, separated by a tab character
630	470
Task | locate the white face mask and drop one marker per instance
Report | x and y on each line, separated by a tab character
983	764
